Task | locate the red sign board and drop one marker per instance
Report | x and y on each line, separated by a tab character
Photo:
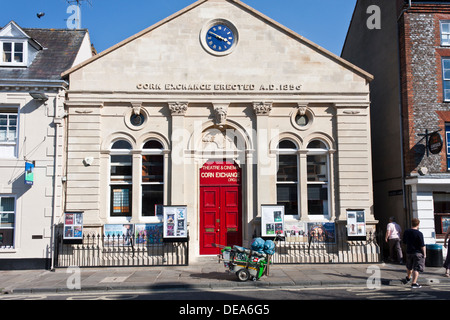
220	173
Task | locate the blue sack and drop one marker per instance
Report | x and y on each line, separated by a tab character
258	245
269	247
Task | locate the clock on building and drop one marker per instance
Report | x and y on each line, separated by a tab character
219	37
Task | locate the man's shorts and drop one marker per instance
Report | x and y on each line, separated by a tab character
415	262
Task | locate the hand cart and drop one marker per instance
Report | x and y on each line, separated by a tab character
245	263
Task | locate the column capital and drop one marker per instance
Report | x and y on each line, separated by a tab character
178	108
262	108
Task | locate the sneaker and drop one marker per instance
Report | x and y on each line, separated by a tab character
415	286
406	280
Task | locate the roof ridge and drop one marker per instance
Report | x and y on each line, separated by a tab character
56	29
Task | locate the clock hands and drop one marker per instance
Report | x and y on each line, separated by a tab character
219	37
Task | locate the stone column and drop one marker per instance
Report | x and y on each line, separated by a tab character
265	168
178	111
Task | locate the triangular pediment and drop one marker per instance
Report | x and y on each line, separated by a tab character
12	30
173	52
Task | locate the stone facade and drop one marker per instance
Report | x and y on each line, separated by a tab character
199	106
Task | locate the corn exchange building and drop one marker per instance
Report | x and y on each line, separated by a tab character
200	124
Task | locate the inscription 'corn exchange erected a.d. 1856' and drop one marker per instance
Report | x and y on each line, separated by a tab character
218	87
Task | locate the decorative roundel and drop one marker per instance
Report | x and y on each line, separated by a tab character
219	37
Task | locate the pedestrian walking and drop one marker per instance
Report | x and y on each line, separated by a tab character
447	260
393	239
415	253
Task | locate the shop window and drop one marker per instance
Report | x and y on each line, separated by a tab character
287	177
441	203
152	177
7	221
8	131
121	179
317	177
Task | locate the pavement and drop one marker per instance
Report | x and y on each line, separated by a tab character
206	275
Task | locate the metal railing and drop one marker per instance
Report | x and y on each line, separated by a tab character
97	250
309	249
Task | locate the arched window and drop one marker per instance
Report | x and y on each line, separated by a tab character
152	180
318	175
287	177
121	179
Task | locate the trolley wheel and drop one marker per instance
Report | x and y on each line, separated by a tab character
243	275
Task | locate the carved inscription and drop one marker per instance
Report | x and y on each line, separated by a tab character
219	87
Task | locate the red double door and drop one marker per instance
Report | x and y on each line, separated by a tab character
220	207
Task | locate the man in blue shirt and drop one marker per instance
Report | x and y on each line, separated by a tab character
415	251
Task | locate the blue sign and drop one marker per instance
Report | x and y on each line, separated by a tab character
29	173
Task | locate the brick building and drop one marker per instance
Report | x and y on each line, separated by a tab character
408	51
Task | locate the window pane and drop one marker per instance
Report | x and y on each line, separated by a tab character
317	144
153	144
120	201
121	144
18	57
151	196
11	134
317	168
7	216
121	167
3	134
287	168
447	74
446	63
317	199
445	39
18	47
7	52
7	57
441	202
6	220
286	144
447	94
287	196
6	204
152	168
7	46
445	27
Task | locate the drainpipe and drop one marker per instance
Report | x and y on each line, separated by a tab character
58	120
405	197
404	10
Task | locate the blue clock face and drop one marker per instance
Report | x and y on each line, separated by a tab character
220	38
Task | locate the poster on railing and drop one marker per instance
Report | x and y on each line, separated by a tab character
272	220
175	222
322	232
356	223
118	234
149	233
73	226
300	231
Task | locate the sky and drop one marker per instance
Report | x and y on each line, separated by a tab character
109	22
